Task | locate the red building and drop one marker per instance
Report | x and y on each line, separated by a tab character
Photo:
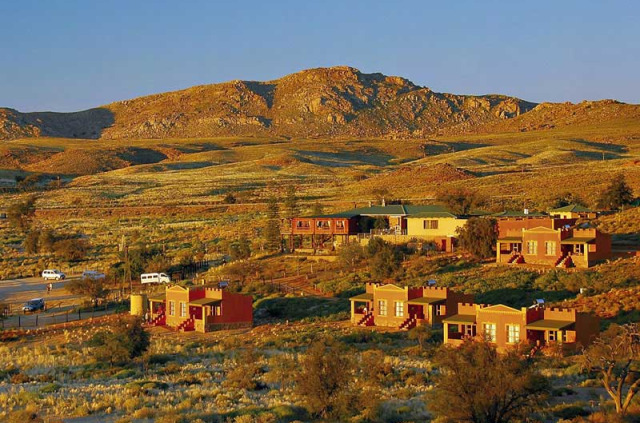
505	326
201	308
404	307
549	241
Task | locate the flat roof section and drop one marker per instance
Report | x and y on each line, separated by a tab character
464	319
548	324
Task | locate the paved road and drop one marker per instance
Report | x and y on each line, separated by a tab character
59	303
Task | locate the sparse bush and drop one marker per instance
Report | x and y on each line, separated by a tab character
124	340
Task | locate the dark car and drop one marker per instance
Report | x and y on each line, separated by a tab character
33	305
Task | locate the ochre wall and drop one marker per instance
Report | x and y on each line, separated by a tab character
446	227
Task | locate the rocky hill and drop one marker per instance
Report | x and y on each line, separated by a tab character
323	102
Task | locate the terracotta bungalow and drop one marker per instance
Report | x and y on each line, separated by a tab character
573	211
505	326
201	308
404	307
563	247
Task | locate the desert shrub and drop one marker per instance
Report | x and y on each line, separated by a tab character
325	378
505	386
570	412
50	388
124	340
21	213
245	372
71	249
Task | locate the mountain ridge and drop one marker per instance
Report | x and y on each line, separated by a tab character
321	102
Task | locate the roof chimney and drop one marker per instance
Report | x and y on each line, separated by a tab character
526	211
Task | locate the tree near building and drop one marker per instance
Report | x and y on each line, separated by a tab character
291	204
476	384
617	195
384	259
478	236
21	213
240	249
615	356
461	201
94	289
272	226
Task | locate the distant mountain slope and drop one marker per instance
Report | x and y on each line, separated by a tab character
323	102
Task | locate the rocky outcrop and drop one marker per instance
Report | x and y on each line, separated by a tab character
323	102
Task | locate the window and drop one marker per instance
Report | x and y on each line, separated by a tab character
513	334
430	224
550	248
532	247
399	308
441	310
382	307
340	224
469	330
553	335
489	330
172	308
183	309
578	249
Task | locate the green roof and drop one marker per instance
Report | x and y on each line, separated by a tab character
461	318
433	215
577	240
425	300
517	213
205	301
575	208
548	324
390	210
362	297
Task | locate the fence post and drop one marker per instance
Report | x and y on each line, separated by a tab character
19	322
37	320
67	316
79	316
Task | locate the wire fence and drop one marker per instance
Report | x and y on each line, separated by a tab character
42	319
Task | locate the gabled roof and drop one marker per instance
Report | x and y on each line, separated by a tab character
389	286
517	213
500	308
540	229
574	208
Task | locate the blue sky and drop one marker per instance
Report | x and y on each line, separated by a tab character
66	55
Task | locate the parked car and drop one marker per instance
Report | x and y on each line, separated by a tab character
154	278
33	305
92	274
54	274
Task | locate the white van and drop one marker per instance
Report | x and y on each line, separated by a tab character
93	275
54	274
154	278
